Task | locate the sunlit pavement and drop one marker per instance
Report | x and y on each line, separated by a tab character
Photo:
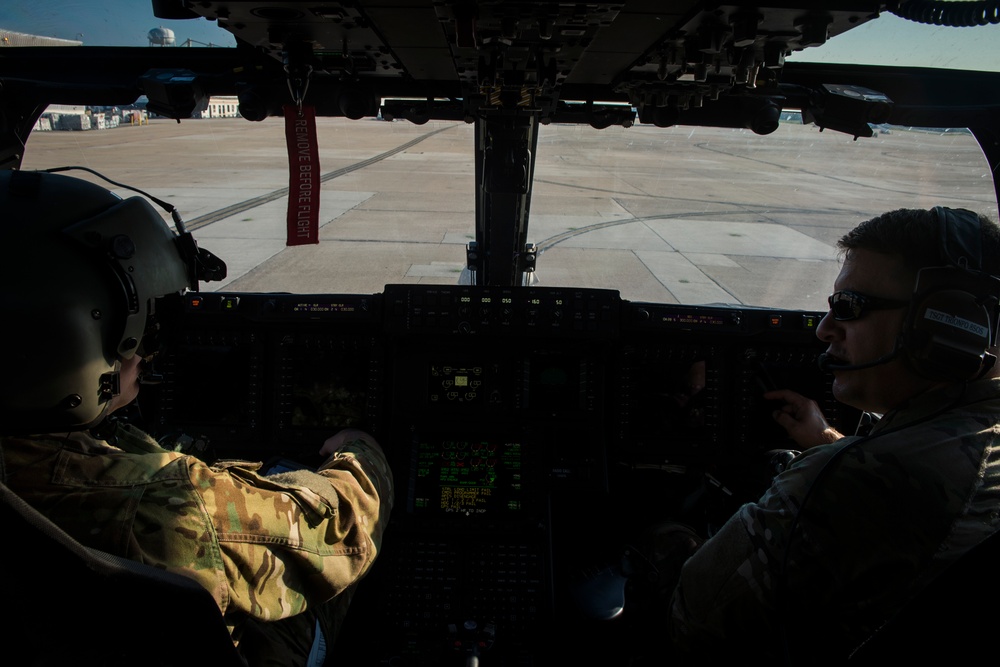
693	215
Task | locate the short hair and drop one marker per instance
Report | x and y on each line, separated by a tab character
914	236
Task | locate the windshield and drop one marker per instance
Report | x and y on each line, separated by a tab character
696	215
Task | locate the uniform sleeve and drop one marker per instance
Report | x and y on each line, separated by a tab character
296	539
726	591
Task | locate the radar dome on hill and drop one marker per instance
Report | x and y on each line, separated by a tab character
161	37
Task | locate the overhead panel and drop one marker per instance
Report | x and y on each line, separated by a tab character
615	48
339	36
417	37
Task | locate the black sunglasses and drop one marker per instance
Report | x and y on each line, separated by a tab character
847	305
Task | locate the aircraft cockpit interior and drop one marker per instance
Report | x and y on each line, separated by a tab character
546	393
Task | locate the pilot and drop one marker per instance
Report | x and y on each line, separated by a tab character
280	553
856	525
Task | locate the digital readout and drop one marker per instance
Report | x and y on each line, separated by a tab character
455	384
468	477
697	319
324	307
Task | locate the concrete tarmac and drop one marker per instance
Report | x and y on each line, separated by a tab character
689	215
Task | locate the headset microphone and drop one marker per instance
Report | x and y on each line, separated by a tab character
827	364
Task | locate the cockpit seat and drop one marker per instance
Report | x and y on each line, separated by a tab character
947	621
72	605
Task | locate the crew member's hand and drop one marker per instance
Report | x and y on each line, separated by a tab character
335	443
803	419
128	383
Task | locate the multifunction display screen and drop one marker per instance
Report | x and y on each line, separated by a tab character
216	384
325	382
675	394
450	384
468	477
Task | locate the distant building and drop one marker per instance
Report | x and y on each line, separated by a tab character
222	106
11	38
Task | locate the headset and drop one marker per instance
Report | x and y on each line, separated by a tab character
952	320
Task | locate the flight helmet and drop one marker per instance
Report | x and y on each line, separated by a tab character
81	269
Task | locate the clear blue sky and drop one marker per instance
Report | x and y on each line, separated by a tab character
103	22
890	40
887	40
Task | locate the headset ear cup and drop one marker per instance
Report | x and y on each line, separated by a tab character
947	335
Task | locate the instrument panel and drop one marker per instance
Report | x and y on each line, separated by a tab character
533	433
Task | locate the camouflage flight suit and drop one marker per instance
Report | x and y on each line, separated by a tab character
267	547
847	534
